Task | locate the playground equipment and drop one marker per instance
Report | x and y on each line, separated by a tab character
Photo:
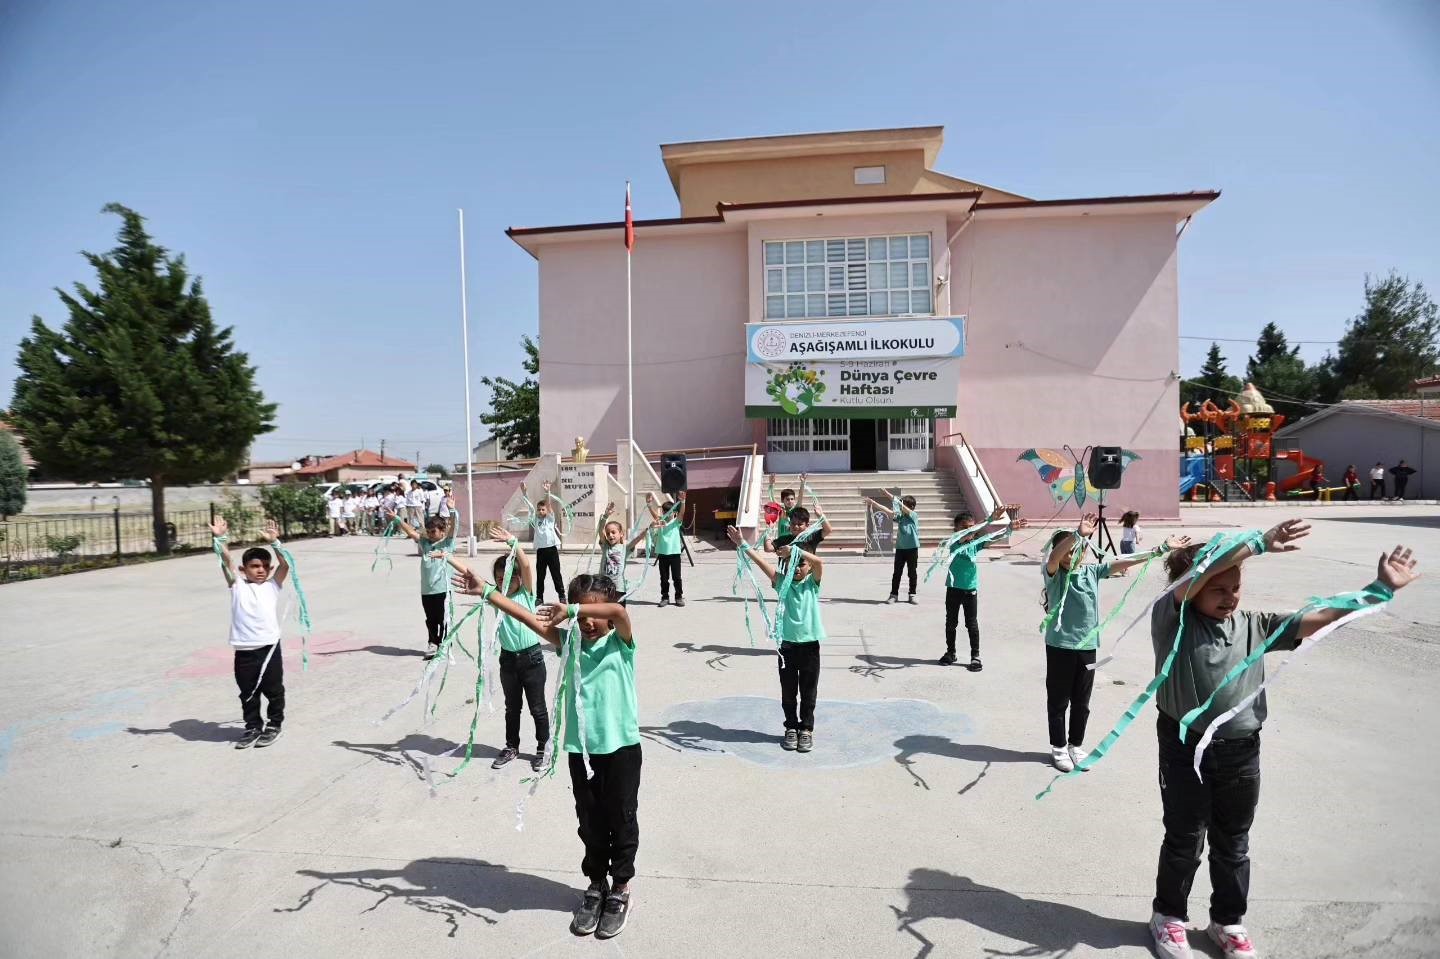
1230	452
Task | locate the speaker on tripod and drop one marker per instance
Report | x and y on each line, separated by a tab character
672	473
1106	467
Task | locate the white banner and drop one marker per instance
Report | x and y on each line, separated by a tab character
855	340
853	389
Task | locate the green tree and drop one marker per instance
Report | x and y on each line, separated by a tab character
13	477
437	469
514	415
1392	343
1280	374
1213	383
139	382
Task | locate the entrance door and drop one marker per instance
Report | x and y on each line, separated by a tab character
864	442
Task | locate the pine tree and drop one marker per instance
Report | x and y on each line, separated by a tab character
1280	374
1391	344
13	477
1213	383
139	383
514	415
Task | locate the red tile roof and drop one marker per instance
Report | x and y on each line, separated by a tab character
1428	409
356	459
1428	382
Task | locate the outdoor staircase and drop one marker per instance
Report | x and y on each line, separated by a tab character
937	500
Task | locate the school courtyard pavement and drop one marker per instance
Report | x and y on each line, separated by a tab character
132	828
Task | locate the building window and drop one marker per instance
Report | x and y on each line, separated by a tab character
807	436
869	175
853	276
910	434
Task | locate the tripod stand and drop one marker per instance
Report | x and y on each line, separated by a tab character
1103	539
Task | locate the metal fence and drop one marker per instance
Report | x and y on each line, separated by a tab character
36	546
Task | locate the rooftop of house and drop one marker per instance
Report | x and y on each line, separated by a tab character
356	459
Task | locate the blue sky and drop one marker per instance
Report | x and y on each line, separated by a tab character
308	158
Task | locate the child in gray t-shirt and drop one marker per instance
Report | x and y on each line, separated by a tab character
1217	637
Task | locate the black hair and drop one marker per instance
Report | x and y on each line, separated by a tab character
587	583
499	569
1130	518
786	492
1179	561
436	522
909	501
962	517
799	515
781	541
254	553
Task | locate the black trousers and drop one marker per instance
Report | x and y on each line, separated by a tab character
906	559
434	604
1400	483
1068	684
1377	487
272	685
547	559
606	802
670	569
956	600
522	674
1222	808
799	679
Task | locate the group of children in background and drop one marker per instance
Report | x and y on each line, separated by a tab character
1214	638
363	510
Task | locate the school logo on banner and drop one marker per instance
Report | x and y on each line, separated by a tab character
771	343
796	389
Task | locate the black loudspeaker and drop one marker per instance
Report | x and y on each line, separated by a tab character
1106	467
672	473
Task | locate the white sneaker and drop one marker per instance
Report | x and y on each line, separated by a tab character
1234	940
1168	933
1061	758
1077	755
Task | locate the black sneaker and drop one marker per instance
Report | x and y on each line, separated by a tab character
664	601
893	599
270	734
912	600
431	653
538	763
587	917
791	740
679	600
975	664
248	737
505	756
807	741
948	659
617	911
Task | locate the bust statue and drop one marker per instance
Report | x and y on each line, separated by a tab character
581	452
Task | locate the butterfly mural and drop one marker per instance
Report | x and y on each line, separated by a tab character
1065	475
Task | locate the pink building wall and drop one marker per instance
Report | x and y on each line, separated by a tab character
1072	337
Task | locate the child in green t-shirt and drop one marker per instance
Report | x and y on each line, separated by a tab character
801	633
907	543
522	664
962	585
1218	637
1072	613
668	546
434	544
607	794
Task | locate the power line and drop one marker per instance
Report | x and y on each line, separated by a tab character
1237	339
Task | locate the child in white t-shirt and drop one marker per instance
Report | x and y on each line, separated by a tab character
1130	534
347	511
255	635
332	509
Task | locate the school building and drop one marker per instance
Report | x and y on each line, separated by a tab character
835	300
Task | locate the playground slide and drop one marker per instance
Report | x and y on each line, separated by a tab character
1192	471
1305	466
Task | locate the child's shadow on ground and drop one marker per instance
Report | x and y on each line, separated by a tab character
400	753
378	651
450	888
714	650
1052	929
908	747
195	731
703	737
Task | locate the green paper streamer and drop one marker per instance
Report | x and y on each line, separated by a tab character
302	605
382	549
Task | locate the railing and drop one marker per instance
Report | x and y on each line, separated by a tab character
698	452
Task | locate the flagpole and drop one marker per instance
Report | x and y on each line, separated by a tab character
629	359
469	444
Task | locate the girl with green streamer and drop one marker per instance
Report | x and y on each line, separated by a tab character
600	731
1072	598
962	582
522	664
797	629
1217	656
435	544
255	632
614	550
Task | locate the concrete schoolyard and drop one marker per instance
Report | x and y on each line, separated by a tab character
132	828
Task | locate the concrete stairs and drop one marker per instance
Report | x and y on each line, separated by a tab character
937	500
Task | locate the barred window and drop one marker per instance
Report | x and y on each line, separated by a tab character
853	276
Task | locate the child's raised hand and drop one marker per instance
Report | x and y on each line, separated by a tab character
449	502
1177	542
609	508
546	486
1282	538
1397	570
499	534
552	614
271	532
220	527
734	535
467	582
1088	522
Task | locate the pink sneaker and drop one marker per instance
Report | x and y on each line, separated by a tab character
1234	940
1171	942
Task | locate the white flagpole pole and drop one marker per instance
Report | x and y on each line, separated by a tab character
469	444
629	373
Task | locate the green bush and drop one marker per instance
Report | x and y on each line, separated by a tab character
243	518
63	546
296	508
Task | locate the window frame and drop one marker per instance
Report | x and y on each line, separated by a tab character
823	278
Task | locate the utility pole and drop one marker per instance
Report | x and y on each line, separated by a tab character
382	451
417	461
